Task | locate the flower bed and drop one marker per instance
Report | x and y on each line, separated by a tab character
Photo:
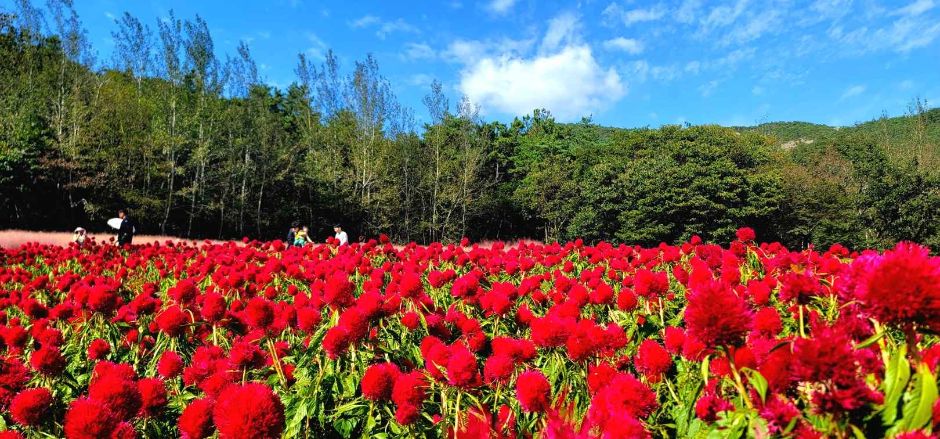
532	340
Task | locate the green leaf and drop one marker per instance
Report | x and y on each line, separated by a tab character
757	381
897	375
870	340
919	409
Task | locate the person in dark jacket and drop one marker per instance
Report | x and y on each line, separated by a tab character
127	230
292	233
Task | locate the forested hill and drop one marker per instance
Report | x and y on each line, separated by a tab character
902	137
199	146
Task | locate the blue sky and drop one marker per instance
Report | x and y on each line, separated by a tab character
626	63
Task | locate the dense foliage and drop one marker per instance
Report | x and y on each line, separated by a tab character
533	340
199	146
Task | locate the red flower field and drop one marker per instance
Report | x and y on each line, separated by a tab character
256	340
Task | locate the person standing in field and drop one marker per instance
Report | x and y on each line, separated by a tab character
292	233
78	236
340	235
302	237
127	230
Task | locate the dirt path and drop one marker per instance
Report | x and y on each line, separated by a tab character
16	238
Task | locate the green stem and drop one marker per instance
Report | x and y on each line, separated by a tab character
802	329
737	381
457	412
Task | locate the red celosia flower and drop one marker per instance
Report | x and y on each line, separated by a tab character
213	307
709	405
652	360
98	349
585	340
498	368
411	320
902	286
117	392
778	413
30	407
336	341
624	394
746	234
799	286
184	291
767	322
624	426
13	377
916	434
533	391
308	318
47	361
378	381
339	291
171	320
626	300
599	376
246	355
153	396
674	339
716	316
89	419
829	355
407	414
170	365
259	314
196	420
647	283
124	430
551	331
462	369
408	394
249	410
102	299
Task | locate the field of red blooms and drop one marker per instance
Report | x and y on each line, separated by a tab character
256	340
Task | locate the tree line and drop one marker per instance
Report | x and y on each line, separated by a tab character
199	146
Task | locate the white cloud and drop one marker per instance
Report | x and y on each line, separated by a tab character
629	45
468	51
904	34
767	21
916	8
688	11
852	91
733	58
515	77
318	47
383	27
501	6
906	84
828	9
365	21
421	80
614	12
416	51
569	83
109	15
757	90
708	88
693	67
561	30
724	15
641	70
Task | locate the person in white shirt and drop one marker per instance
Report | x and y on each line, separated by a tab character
341	235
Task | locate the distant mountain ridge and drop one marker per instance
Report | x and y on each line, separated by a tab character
902	137
888	128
